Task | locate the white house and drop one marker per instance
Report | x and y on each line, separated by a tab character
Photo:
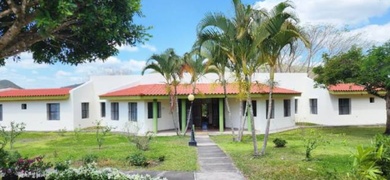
141	103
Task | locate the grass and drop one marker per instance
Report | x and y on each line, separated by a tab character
330	161
58	147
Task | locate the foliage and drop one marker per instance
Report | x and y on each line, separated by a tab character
137	159
384	162
365	162
89	158
77	133
8	160
16	129
90	171
279	142
68	31
101	133
311	141
62	166
32	168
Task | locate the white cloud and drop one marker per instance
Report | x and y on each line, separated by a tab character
149	47
377	33
25	62
337	12
61	74
127	48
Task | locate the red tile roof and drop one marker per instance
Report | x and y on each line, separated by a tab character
35	92
348	87
206	89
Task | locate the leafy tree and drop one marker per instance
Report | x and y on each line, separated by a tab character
68	31
168	65
370	70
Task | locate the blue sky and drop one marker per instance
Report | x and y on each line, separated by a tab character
174	25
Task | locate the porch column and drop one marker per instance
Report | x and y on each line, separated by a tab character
155	128
183	115
221	115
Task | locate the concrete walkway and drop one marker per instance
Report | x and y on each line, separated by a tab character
214	165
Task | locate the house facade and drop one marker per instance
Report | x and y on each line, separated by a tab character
141	103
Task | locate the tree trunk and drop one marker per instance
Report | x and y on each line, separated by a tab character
254	138
387	132
227	106
177	111
171	108
271	88
242	123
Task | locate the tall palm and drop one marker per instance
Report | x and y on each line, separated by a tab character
236	39
167	64
220	63
196	66
281	31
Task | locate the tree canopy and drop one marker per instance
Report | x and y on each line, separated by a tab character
68	31
371	70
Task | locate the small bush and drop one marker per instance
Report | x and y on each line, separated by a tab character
61	132
89	171
89	158
137	159
62	166
280	142
161	158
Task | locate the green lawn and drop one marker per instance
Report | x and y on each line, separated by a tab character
331	161
55	148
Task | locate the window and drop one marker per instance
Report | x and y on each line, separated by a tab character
1	112
132	111
287	107
24	106
103	109
313	106
53	111
150	110
114	111
272	109
296	106
254	108
84	110
344	106
372	100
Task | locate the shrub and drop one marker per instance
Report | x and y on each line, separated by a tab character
137	159
32	168
89	158
384	162
16	129
101	133
141	142
90	171
311	141
279	142
61	132
161	158
62	166
8	160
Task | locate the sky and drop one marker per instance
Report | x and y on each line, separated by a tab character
174	24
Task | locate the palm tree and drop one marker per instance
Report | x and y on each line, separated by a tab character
219	63
167	64
196	66
236	38
281	32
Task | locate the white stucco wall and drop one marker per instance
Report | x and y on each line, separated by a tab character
35	116
362	111
85	93
278	122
